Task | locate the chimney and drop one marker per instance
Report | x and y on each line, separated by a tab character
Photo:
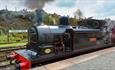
39	16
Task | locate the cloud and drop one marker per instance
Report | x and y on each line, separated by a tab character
21	4
65	3
12	4
112	17
95	8
33	4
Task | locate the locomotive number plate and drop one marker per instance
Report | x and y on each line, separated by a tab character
47	51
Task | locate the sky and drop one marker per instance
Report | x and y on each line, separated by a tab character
99	9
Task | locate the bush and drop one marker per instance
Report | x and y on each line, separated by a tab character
13	37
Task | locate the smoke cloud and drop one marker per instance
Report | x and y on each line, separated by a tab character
36	4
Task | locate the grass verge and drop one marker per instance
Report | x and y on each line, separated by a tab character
13	44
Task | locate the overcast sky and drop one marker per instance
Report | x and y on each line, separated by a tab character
95	8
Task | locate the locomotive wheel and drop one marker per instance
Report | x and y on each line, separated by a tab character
96	24
106	42
107	39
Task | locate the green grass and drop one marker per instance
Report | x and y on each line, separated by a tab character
13	44
13	38
3	38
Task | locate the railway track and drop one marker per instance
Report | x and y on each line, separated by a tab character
6	49
3	58
5	65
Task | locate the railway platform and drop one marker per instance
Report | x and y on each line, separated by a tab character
99	60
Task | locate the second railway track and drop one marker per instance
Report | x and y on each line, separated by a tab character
5	66
4	63
5	49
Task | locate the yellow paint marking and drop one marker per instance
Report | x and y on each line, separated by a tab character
58	65
86	59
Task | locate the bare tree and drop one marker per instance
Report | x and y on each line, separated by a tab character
78	14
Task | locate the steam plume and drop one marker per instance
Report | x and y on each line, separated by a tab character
36	4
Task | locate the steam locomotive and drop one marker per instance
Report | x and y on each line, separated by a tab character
55	42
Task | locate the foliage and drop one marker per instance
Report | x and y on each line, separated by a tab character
52	19
78	14
48	20
73	21
3	38
16	20
13	37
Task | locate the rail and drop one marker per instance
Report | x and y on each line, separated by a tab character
4	49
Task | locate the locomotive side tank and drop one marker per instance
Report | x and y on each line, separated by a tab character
44	34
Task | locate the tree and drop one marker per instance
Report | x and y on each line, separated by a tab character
73	21
78	14
48	20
